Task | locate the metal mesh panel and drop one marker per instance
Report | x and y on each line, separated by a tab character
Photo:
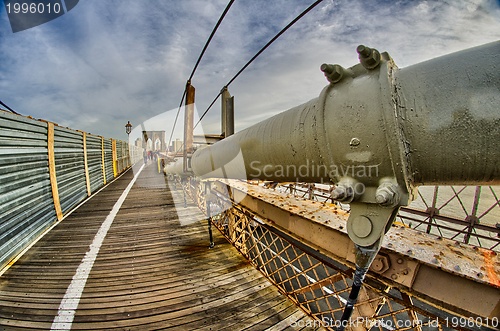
318	284
469	214
321	287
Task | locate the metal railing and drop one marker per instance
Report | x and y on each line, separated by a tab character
468	214
319	284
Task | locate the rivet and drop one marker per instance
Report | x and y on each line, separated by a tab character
362	226
354	142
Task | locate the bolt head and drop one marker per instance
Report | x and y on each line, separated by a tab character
387	195
363	51
380	264
369	58
326	68
342	193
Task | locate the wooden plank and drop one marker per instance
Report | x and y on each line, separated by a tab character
152	272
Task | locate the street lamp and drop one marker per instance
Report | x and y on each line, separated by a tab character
128	127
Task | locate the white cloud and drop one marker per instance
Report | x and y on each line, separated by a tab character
107	62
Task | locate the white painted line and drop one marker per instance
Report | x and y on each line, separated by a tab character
71	299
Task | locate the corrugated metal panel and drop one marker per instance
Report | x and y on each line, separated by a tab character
127	155
108	159
94	161
26	205
121	152
70	167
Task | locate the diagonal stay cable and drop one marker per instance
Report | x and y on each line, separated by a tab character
197	63
8	108
308	9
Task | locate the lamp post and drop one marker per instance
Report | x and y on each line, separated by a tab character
128	127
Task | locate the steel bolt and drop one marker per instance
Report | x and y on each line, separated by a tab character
333	72
369	57
364	51
377	265
327	68
387	195
380	264
343	193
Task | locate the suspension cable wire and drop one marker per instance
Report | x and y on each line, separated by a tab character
308	9
176	117
230	3
210	38
8	108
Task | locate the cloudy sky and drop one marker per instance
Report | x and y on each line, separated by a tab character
109	61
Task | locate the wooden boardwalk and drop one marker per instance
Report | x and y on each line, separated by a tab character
153	271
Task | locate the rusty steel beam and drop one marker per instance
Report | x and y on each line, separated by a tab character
413	261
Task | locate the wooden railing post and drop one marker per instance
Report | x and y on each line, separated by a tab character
52	170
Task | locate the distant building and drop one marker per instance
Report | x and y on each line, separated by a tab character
157	140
